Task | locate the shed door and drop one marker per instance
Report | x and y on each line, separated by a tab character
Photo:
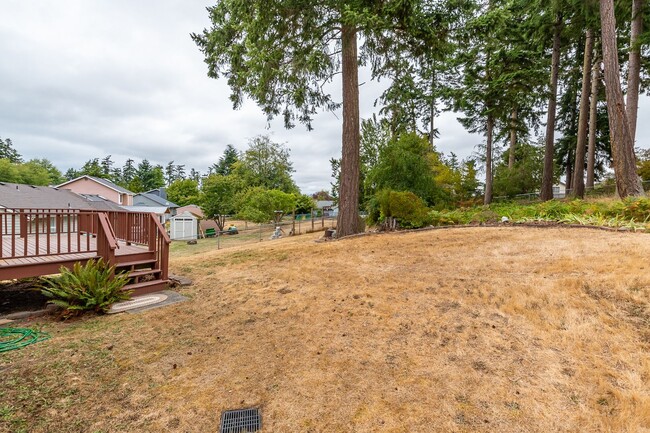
184	228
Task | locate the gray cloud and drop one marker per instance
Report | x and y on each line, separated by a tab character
86	79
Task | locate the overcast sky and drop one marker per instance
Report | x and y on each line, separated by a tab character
85	79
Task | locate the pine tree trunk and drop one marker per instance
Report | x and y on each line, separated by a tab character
348	217
593	114
583	119
634	66
488	160
569	174
547	177
433	111
513	138
627	181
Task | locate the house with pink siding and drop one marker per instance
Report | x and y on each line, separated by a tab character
91	185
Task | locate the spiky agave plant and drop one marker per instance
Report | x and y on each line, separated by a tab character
91	287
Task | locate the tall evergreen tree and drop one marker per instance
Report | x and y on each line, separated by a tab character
179	171
627	181
147	177
70	174
226	161
107	167
634	65
195	175
129	172
549	145
7	151
593	116
578	183
266	164
501	76
170	173
92	167
281	52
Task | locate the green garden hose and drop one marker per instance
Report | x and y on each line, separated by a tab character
16	338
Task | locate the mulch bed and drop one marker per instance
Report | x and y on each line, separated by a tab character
21	295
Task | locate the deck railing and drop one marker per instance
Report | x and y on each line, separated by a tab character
131	227
160	243
45	232
26	233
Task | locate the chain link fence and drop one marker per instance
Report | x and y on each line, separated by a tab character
252	233
602	190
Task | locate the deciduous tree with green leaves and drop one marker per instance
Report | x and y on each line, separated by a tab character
266	164
405	164
259	205
183	192
218	197
304	204
524	176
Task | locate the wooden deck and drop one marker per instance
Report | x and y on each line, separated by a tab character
45	246
33	252
37	242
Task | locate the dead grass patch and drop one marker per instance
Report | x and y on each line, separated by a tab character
462	330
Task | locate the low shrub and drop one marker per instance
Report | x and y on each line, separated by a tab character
438	218
408	209
91	287
552	210
373	211
637	209
485	216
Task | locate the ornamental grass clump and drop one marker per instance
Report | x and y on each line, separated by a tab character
91	287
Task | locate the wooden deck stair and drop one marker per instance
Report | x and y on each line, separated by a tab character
144	276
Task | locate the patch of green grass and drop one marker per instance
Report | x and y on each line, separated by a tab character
9	418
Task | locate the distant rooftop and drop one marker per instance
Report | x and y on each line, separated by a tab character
107	183
21	196
147	209
157	199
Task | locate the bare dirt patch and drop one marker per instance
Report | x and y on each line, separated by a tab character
462	330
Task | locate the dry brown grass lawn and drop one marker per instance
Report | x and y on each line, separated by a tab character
459	330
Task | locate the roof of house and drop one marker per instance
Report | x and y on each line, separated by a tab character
147	209
100	203
107	183
324	203
160	192
157	199
20	196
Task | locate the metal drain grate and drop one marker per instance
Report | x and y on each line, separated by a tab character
241	421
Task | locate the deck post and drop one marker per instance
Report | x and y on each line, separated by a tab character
106	242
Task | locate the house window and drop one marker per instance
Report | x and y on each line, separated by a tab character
119	198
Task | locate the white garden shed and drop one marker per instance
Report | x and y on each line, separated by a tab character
184	226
